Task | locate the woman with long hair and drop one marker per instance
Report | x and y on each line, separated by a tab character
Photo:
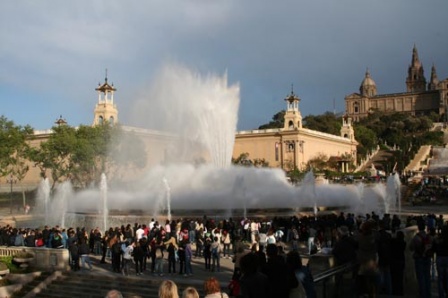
168	289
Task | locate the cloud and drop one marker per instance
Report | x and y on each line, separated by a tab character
60	49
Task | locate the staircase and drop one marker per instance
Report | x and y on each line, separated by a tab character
93	285
377	160
422	154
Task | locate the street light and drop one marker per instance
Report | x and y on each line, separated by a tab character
11	180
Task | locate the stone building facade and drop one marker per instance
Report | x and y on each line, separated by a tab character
293	146
421	97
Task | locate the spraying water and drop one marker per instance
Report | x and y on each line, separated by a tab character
43	199
168	198
64	192
200	109
392	199
103	192
200	114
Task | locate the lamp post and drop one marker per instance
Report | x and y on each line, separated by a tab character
11	180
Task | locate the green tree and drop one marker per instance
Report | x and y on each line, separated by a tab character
318	163
366	138
14	148
84	153
54	154
278	121
328	123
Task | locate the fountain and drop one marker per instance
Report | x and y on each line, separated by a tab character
65	192
202	112
392	199
168	198
105	208
43	198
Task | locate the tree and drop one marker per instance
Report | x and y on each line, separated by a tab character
318	163
14	148
366	138
278	121
84	153
328	123
54	154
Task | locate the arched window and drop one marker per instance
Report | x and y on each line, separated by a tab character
291	124
356	107
111	120
100	120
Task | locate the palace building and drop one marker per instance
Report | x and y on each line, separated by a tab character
292	146
421	97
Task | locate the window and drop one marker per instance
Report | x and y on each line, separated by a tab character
100	120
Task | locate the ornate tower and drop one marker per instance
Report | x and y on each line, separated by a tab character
416	79
434	81
105	109
347	130
368	86
293	118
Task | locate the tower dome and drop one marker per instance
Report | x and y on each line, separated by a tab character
368	86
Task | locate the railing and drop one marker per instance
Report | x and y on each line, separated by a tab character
328	276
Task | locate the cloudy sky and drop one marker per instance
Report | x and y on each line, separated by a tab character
54	53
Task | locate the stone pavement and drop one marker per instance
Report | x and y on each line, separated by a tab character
196	280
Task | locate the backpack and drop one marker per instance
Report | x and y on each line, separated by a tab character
39	242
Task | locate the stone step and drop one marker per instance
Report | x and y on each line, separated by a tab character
91	286
31	285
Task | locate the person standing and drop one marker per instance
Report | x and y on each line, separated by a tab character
397	264
226	242
139	255
159	257
207	254
440	247
215	249
127	248
84	251
171	258
188	256
421	246
115	247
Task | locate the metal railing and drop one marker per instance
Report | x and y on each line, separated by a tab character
329	275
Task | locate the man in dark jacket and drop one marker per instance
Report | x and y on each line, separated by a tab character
280	279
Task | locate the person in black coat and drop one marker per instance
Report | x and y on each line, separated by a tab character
252	282
139	254
397	263
280	278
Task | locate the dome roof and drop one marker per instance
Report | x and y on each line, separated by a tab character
368	81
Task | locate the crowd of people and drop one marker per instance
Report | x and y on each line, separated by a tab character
266	253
